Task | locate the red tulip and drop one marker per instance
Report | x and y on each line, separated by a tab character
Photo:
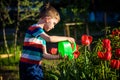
115	64
86	40
53	51
100	55
106	44
76	54
119	64
115	32
77	46
117	52
107	55
104	56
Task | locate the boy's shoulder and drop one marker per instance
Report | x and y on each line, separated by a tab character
34	26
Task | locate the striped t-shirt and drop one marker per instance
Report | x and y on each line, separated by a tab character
33	45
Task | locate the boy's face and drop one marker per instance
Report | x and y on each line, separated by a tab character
50	23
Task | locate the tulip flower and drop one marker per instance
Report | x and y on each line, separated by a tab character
76	54
106	44
77	46
107	55
104	56
100	55
115	64
53	51
115	32
117	52
86	40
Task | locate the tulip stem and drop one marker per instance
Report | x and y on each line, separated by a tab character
103	69
106	67
86	58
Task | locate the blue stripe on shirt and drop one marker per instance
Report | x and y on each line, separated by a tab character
32	49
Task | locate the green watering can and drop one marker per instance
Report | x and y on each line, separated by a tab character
65	49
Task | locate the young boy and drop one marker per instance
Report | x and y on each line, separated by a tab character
34	47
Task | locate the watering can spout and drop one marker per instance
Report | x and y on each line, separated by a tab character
65	49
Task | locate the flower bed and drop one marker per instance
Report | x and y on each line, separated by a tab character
102	62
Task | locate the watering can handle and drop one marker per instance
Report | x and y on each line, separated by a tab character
74	49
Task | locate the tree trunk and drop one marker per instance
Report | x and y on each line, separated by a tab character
15	42
16	31
5	42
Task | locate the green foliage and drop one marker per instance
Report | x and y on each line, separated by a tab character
86	66
5	18
10	61
29	9
11	47
75	69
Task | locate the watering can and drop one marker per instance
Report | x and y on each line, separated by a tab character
65	49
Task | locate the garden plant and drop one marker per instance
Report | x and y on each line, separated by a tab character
102	62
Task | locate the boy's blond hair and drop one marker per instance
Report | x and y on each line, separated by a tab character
48	10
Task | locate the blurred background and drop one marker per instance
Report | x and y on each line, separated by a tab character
92	17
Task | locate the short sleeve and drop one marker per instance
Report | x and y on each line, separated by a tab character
35	31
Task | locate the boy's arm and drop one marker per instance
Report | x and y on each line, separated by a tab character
47	55
56	38
50	56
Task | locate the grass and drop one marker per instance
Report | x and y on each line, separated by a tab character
9	67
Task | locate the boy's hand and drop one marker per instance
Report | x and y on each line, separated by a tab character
70	39
65	57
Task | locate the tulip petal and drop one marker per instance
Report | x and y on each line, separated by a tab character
86	40
100	55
